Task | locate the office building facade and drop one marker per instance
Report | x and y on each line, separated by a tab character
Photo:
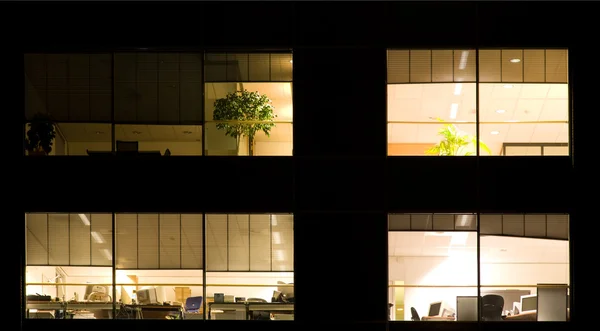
387	162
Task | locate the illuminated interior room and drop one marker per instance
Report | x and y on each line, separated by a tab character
250	258
520	255
159	266
267	74
523	102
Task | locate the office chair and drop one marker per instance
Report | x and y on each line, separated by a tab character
414	315
491	307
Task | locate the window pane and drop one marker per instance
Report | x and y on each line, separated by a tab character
158	88
515	268
260	243
225	131
148	241
428	273
58	239
87	293
229	300
127	240
238	241
80	239
216	242
70	87
282	233
37	238
432	119
102	239
173	288
191	241
170	241
523	118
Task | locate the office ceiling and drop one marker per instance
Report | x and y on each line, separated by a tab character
494	249
504	105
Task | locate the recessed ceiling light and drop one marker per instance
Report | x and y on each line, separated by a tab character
495	132
500	111
512	121
508	86
515	60
291	61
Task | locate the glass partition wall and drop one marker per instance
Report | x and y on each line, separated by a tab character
466	102
152	103
164	266
512	267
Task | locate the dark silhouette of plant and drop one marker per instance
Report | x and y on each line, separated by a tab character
41	134
244	113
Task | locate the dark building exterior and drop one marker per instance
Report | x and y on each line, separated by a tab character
340	184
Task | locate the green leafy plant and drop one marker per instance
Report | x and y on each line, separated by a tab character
244	113
455	142
40	135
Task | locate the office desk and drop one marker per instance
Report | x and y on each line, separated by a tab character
156	311
43	306
529	316
230	311
437	318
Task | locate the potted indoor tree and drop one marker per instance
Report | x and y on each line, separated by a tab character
455	142
40	135
244	113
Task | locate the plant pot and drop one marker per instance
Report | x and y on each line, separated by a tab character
36	153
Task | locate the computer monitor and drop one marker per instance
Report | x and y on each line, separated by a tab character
146	296
286	291
528	303
98	291
440	309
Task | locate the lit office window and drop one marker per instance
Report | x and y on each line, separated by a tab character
68	272
432	266
67	103
249	262
524	265
431	102
524	101
158	103
248	102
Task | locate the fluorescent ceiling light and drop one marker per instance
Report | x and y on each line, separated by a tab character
495	132
508	86
274	220
463	60
98	237
106	254
291	61
453	110
276	238
84	219
515	60
500	111
457	88
512	121
459	238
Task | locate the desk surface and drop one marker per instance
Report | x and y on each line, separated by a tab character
437	318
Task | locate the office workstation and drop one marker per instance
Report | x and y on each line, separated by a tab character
523	267
160	269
